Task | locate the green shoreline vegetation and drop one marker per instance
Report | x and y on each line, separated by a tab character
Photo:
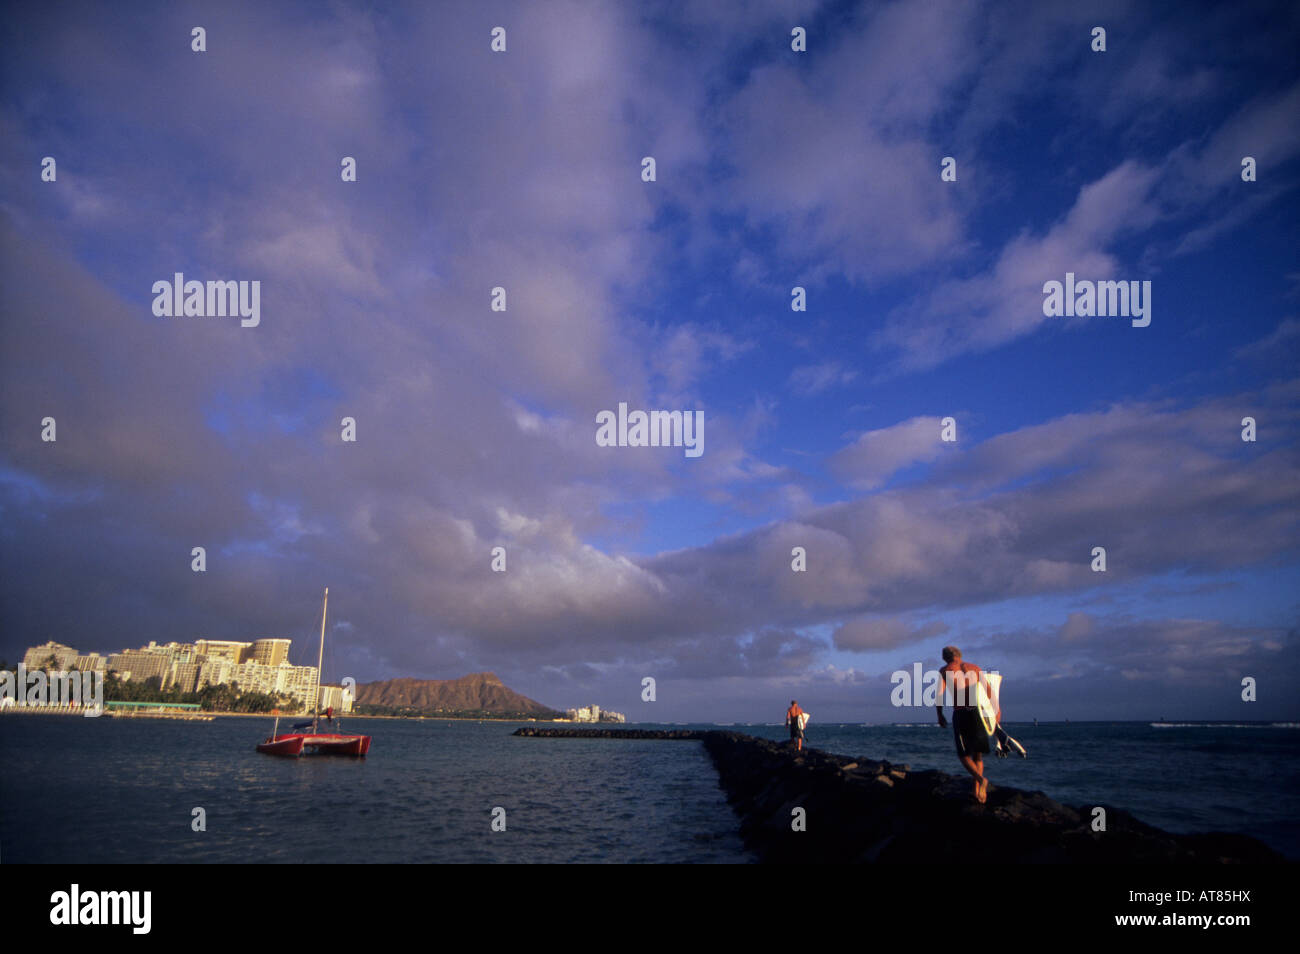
226	697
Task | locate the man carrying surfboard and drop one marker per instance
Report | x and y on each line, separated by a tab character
794	719
967	727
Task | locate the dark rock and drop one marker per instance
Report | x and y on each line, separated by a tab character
875	812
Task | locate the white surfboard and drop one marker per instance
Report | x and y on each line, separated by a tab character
803	720
986	698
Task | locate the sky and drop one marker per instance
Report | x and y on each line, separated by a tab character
774	169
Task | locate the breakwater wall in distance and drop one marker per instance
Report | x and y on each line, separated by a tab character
695	735
863	811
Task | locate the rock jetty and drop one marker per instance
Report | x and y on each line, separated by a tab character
864	811
694	735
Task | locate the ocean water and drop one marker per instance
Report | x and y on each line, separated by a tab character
79	790
123	790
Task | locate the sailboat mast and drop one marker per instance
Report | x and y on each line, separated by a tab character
320	659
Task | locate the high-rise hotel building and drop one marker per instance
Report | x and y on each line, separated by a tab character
260	666
269	652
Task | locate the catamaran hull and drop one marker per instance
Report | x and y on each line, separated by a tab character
282	745
298	743
356	745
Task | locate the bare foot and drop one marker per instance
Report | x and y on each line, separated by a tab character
981	790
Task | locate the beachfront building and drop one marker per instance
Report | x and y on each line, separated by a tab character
65	657
336	697
91	662
184	676
268	652
229	649
139	664
214	671
259	666
172	664
299	682
594	713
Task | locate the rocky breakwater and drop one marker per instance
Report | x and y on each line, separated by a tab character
694	735
857	810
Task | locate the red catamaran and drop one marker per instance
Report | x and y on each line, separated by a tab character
315	742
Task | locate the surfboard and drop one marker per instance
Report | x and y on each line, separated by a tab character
1008	745
986	700
803	720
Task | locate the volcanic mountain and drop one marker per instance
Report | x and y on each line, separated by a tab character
479	691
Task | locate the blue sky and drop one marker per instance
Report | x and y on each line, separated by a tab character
476	428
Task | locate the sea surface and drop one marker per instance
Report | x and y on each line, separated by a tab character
76	790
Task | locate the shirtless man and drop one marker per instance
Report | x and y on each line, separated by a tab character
967	729
792	720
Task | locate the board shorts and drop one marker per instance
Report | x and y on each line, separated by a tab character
795	731
968	732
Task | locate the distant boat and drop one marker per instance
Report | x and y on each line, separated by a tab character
307	736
